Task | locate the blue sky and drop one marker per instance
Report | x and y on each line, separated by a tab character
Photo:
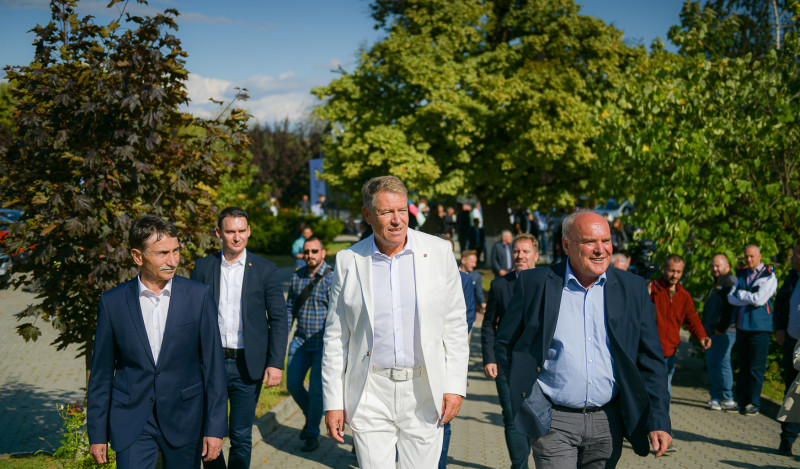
280	49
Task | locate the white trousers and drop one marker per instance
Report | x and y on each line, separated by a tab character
397	418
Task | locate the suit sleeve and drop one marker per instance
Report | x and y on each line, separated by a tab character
510	328
277	319
651	366
335	343
469	299
487	328
101	379
456	341
496	265
216	402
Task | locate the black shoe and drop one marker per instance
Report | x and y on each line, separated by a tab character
750	410
311	444
785	448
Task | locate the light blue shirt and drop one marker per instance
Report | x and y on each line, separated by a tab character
394	295
579	370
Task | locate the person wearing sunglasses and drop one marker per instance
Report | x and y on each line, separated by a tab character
307	302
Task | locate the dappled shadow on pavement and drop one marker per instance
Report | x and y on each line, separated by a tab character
30	421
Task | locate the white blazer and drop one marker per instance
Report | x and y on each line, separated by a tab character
348	330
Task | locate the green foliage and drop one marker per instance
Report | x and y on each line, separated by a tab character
708	149
7	108
98	142
281	154
74	450
490	97
274	235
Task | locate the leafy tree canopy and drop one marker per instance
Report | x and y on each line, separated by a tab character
98	142
492	97
707	146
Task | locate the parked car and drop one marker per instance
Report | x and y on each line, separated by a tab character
614	209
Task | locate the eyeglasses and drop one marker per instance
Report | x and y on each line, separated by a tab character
310	251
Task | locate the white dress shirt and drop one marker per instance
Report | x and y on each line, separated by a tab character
230	302
154	313
396	333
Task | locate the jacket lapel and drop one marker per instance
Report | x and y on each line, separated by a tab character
215	275
175	310
364	267
135	310
552	303
247	280
613	305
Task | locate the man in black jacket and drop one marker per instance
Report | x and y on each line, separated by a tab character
525	253
787	332
718	324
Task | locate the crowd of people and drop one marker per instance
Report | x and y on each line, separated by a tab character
383	336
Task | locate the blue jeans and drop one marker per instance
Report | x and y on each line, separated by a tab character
718	362
752	348
519	446
243	395
670	372
309	401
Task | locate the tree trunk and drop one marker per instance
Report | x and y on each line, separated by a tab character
495	217
777	24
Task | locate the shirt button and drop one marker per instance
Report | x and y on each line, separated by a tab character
589	339
590	361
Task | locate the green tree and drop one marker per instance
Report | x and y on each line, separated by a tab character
99	141
707	146
491	97
7	107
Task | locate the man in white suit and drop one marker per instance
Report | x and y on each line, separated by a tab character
395	357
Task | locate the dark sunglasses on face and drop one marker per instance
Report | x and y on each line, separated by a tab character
310	251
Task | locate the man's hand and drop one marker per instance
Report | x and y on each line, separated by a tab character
490	370
272	376
451	404
660	440
334	420
780	336
502	273
211	448
705	342
100	453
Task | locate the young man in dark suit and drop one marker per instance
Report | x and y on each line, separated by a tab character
157	379
581	351
253	326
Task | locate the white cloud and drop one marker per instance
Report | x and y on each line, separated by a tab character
271	99
332	64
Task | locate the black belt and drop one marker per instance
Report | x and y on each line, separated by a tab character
233	352
585	410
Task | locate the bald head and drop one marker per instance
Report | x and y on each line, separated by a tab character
720	266
587	241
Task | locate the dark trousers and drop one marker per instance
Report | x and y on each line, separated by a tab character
519	446
243	395
143	453
789	430
752	348
301	359
445	445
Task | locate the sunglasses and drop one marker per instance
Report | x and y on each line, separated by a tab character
310	251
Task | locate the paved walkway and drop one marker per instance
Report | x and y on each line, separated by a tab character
34	377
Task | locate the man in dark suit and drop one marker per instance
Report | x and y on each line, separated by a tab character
526	253
157	378
253	324
581	351
502	261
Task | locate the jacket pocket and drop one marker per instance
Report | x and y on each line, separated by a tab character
120	396
191	391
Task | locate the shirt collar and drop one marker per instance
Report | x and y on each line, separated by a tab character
166	291
408	248
759	268
600	281
239	261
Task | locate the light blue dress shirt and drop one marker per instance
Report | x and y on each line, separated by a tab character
579	370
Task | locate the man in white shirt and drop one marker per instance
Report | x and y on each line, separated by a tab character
395	356
253	326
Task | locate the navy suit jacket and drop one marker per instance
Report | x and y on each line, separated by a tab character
526	332
187	387
264	316
499	296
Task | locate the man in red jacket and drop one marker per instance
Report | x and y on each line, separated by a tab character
674	307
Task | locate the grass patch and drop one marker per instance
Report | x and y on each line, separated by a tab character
38	461
270	397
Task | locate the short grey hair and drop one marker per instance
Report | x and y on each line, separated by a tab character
566	225
379	184
620	256
753	246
